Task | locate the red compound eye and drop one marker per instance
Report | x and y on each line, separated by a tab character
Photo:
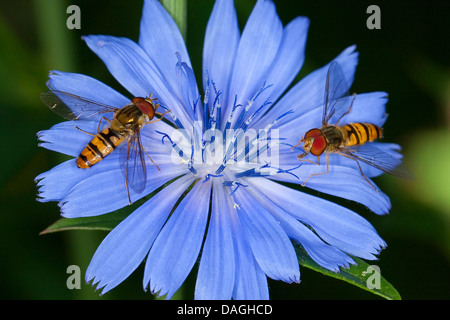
318	141
145	106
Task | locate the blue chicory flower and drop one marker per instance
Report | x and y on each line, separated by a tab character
237	215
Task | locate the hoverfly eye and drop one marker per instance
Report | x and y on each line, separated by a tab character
146	108
318	146
137	100
318	142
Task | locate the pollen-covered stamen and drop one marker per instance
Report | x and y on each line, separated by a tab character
215	111
266	144
274	122
234	184
230	117
206	101
266	171
231	149
244	113
242	143
181	154
211	116
176	120
253	116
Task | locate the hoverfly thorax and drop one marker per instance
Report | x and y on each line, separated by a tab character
134	115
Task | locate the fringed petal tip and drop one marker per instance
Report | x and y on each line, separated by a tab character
97	285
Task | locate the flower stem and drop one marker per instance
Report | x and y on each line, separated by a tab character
178	10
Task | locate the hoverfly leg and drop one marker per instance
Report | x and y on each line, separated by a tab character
316	174
299	143
93	135
360	170
128	191
100	122
98	129
367	179
143	149
159	119
348	111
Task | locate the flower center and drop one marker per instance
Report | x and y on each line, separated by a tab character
229	149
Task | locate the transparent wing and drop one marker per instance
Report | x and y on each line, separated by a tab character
336	99
73	107
132	163
376	158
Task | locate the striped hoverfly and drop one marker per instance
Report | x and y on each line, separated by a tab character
122	132
351	140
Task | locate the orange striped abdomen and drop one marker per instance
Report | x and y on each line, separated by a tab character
360	133
99	147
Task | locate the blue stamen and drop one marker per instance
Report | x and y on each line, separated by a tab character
205	103
257	172
196	103
270	125
288	171
234	183
230	117
252	117
221	168
179	151
209	175
243	114
216	106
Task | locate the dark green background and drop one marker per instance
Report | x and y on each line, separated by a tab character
408	58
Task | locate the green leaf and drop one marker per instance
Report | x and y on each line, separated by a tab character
362	275
104	222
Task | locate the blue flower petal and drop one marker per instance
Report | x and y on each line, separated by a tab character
336	225
56	183
270	245
325	255
65	138
134	70
219	51
368	107
308	93
177	246
126	246
356	187
86	87
250	279
91	198
290	56
215	279
287	63
257	50
160	38
188	85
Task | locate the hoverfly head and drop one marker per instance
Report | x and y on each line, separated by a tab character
314	142
146	106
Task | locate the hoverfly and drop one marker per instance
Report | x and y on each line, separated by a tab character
351	140
123	132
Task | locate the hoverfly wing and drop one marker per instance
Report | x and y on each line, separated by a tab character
378	159
132	163
336	99
73	107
